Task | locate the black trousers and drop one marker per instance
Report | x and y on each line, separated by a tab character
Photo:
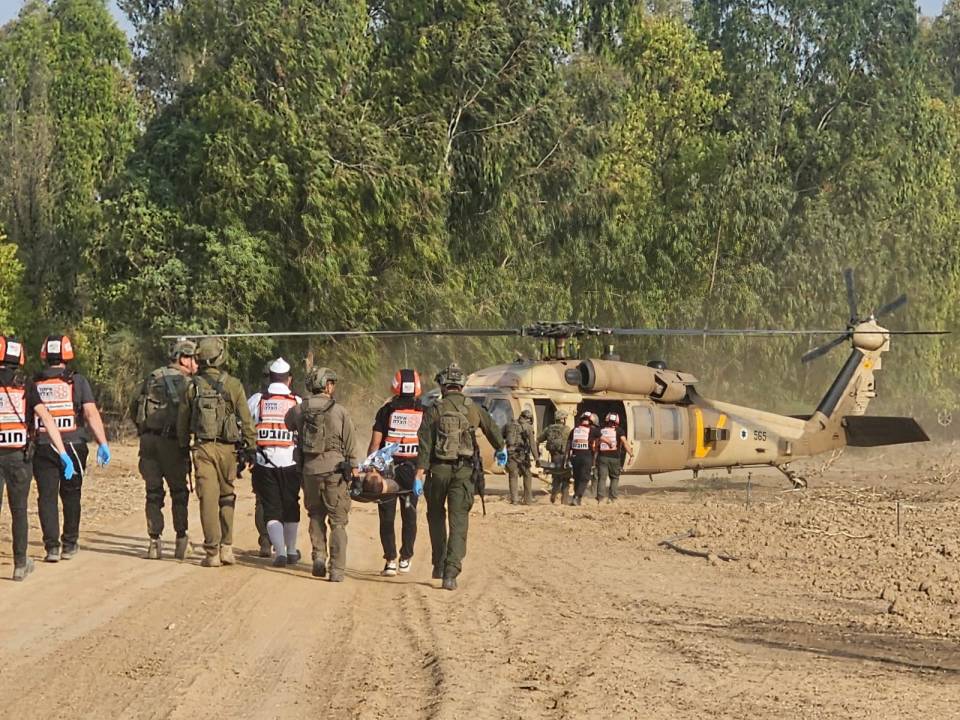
48	470
15	474
404	474
278	490
582	467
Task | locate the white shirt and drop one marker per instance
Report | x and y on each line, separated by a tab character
278	456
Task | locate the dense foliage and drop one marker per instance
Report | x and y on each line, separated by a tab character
289	164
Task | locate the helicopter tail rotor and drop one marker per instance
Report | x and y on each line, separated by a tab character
856	321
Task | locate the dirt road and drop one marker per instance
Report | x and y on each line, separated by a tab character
562	612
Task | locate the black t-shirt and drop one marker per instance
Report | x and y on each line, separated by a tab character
82	394
608	438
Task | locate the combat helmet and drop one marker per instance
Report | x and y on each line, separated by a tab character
183	348
451	375
318	378
560	415
526	413
211	351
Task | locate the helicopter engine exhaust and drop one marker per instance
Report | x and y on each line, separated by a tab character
622	377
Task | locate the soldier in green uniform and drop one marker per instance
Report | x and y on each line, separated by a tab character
520	441
325	447
555	437
155	409
215	413
446	439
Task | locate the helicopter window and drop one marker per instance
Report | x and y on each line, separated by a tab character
670	426
499	410
642	423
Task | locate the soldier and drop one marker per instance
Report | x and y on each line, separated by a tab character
398	421
556	437
18	407
582	453
276	478
69	398
155	408
611	445
520	441
215	413
447	437
325	445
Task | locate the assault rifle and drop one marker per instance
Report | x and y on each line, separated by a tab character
477	476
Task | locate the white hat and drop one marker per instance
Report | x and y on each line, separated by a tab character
280	367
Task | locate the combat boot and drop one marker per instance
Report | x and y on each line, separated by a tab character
53	555
449	583
154	549
226	555
266	549
437	572
336	575
69	551
180	551
319	568
21	570
210	561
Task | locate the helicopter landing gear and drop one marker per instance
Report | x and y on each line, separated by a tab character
795	478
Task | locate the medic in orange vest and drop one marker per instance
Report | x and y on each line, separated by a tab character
582	454
69	398
398	421
18	408
610	448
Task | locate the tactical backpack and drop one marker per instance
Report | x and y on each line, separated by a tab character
556	438
313	434
210	419
455	436
159	401
513	435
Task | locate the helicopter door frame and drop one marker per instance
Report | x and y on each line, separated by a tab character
671	451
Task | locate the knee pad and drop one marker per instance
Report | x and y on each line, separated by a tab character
228	500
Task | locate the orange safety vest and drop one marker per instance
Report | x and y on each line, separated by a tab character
403	428
581	438
57	394
608	440
271	429
13	418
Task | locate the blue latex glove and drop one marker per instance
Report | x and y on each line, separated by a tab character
418	487
103	455
68	469
501	457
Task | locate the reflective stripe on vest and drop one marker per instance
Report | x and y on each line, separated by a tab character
608	440
402	429
13	418
271	429
57	394
581	438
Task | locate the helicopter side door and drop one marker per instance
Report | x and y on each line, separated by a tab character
642	438
670	448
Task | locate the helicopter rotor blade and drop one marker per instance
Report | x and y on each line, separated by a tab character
825	348
851	295
504	332
890	307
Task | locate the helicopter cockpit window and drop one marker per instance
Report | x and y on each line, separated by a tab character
642	423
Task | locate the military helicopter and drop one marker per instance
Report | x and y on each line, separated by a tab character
670	425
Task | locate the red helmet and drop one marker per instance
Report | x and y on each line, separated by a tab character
56	349
407	383
11	351
612	418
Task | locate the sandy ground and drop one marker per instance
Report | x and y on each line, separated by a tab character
827	612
